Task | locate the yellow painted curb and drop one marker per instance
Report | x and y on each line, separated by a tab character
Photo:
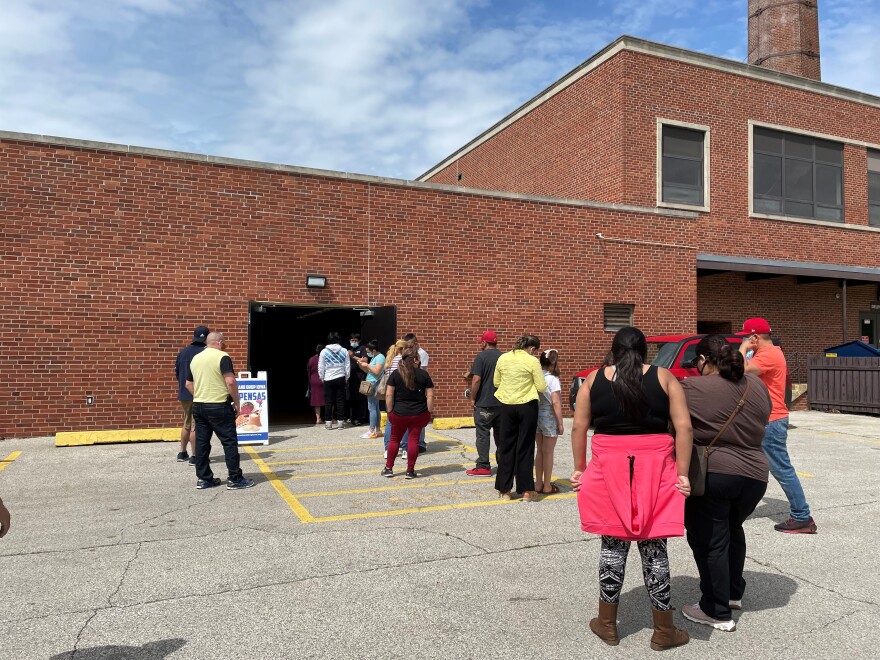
446	423
82	438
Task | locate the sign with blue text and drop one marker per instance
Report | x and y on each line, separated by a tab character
252	423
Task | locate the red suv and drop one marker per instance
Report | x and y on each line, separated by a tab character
673	352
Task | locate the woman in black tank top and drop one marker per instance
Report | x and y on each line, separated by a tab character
634	486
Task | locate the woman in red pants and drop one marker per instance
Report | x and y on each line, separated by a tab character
409	398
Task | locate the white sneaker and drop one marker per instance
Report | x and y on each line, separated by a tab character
735	604
403	454
366	435
695	614
385	455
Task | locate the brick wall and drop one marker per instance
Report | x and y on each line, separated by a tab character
108	260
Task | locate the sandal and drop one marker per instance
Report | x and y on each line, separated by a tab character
530	496
553	490
504	496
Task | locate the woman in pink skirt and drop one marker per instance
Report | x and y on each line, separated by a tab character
636	483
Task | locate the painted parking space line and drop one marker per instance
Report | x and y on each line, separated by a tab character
6	462
804	474
310	448
343	458
301	512
375	470
382	489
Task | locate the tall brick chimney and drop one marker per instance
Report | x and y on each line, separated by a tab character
784	36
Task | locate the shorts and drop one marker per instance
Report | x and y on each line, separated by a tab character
547	422
187	414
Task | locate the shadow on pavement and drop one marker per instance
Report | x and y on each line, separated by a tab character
764	591
149	651
771	508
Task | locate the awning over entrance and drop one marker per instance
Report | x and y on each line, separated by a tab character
714	262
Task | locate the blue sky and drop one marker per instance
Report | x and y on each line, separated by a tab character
386	87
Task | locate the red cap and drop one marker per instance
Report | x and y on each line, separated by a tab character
756	326
489	337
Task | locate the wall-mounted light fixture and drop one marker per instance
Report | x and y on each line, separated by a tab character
316	281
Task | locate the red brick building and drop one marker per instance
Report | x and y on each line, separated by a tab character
628	186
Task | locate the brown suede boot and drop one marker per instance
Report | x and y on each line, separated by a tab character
605	625
666	635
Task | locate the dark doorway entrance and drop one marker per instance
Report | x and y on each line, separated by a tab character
282	338
868	322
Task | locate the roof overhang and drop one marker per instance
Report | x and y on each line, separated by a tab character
714	262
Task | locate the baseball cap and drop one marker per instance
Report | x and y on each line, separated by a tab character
489	337
201	333
756	326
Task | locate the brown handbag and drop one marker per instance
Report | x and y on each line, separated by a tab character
367	388
699	467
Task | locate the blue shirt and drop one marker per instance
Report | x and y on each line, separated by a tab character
378	358
181	368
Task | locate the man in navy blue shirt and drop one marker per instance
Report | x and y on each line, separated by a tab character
181	368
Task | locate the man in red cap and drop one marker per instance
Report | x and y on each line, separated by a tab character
768	363
486	406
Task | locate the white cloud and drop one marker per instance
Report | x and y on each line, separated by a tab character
849	46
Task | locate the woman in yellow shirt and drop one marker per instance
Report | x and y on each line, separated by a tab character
519	380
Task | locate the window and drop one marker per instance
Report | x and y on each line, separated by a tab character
682	167
797	175
874	188
617	316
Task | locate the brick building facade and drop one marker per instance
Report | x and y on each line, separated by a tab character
110	255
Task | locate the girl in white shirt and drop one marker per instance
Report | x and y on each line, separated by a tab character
549	424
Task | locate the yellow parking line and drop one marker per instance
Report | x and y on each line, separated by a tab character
803	474
6	461
341	458
423	509
370	471
294	504
339	446
381	489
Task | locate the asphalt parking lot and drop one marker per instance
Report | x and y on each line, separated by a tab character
113	553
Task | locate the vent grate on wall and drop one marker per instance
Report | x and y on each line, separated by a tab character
618	316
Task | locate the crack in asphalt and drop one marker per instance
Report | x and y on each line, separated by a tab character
772	566
80	633
134	557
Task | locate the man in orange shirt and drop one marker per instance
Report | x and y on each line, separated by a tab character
768	364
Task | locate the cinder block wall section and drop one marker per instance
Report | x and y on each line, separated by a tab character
109	257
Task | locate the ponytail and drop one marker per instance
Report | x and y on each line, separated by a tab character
722	355
630	351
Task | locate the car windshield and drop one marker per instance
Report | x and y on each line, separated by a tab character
664	356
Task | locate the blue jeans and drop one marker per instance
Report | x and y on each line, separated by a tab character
422	444
375	415
774	445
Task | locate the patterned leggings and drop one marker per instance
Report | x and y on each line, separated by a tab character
655	569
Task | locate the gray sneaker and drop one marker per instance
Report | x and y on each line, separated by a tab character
328	426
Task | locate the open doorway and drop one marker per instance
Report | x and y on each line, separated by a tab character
282	338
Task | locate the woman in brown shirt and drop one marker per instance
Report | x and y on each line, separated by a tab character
736	480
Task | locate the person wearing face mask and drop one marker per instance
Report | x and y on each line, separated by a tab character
373	364
357	402
520	381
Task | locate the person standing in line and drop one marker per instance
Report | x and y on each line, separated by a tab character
520	381
486	406
736	479
316	386
392	362
550	425
181	366
635	485
5	519
373	364
409	398
211	380
357	402
423	363
334	369
768	364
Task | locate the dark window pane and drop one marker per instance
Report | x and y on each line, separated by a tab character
800	209
829	184
766	140
874	188
687	172
682	142
798	180
828	213
873	161
673	194
772	206
874	215
768	176
799	146
829	152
